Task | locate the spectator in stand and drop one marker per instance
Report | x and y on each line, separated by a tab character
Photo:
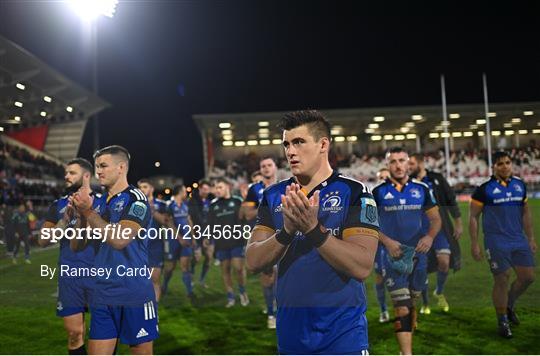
21	226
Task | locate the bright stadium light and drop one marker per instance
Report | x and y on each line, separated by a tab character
508	132
457	134
227	137
167	191
481	121
339	138
417	117
277	141
516	120
376	138
388	137
157	164
69	109
226	132
411	136
18	104
195	185
409	124
373	126
399	137
263	135
473	127
434	135
445	134
378	118
536	131
89	10
264	142
1	129
47	99
227	143
528	113
17	118
481	133
20	86
523	132
369	131
239	143
264	124
404	129
468	134
495	133
507	125
352	138
264	131
43	113
492	114
224	125
252	142
454	116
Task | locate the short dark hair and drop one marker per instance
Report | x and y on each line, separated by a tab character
419	157
177	189
83	163
395	149
222	180
264	158
144	180
383	169
114	150
205	181
256	173
496	156
318	124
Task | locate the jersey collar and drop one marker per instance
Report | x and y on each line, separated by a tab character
502	182
321	185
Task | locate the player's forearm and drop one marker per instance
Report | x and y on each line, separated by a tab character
527	223
435	224
385	240
352	259
263	254
473	229
123	235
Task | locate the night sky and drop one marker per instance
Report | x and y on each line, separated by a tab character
162	61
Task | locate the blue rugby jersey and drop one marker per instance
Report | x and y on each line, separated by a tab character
84	258
401	209
502	209
425	219
254	197
320	310
130	204
180	215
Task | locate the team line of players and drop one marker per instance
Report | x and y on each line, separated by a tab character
126	309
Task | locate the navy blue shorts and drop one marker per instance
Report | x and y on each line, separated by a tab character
501	258
133	325
174	250
227	254
414	282
74	295
441	244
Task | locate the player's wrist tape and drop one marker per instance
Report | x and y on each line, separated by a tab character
316	236
284	238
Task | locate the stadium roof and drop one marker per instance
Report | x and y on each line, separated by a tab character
32	93
396	123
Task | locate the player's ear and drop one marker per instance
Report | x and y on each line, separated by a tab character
325	144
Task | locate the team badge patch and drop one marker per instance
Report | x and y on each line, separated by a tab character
368	213
138	210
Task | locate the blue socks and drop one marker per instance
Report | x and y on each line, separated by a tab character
241	289
441	280
186	278
269	299
381	296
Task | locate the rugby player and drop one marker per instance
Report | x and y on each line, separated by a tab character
181	247
123	307
324	252
384	316
155	245
508	237
74	294
402	202
199	206
267	171
446	199
224	215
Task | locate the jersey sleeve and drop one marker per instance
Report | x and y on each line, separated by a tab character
429	200
479	196
251	197
362	212
264	215
52	213
525	198
137	210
